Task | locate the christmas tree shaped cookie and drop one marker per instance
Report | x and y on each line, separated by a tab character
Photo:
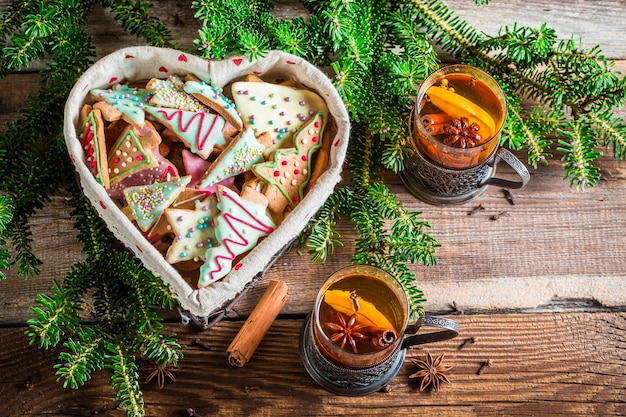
193	230
92	139
197	168
238	157
131	152
200	131
212	96
288	174
277	109
123	102
163	171
238	227
171	93
147	202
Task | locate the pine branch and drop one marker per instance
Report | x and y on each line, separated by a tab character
125	379
6	217
84	356
136	19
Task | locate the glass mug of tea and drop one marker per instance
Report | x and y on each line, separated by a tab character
354	341
455	130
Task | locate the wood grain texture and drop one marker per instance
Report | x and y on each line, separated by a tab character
541	287
541	364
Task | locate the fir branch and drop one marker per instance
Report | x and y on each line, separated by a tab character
612	129
578	154
6	217
57	315
136	19
84	355
320	235
125	379
158	348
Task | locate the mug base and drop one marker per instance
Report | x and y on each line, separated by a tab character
344	381
423	193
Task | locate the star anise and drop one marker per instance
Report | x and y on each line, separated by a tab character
346	331
431	371
160	372
462	134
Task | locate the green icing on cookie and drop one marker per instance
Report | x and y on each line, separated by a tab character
290	169
237	158
147	202
129	101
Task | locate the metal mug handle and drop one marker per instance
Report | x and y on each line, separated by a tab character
450	330
514	163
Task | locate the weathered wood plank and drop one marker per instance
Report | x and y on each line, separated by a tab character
554	244
541	364
597	22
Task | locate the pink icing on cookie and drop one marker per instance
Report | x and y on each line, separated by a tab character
197	167
146	176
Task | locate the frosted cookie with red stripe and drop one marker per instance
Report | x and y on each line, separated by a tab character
147	202
212	96
122	101
289	172
277	109
238	227
131	152
93	141
238	157
200	131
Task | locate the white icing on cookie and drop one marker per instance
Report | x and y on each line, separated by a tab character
237	158
238	227
212	96
277	109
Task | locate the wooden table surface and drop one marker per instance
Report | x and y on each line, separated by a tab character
540	290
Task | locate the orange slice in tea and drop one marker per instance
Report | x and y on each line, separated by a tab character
458	106
367	313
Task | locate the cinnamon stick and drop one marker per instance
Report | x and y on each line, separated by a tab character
258	323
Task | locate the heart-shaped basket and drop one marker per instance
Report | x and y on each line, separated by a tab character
144	63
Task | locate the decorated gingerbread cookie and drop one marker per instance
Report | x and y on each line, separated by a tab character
93	141
193	231
170	93
131	152
122	102
147	202
163	171
197	167
200	131
277	109
288	174
212	96
238	157
238	227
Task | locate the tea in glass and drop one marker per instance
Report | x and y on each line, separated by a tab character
459	116
359	317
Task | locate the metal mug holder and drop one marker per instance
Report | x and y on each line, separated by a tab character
366	380
442	186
